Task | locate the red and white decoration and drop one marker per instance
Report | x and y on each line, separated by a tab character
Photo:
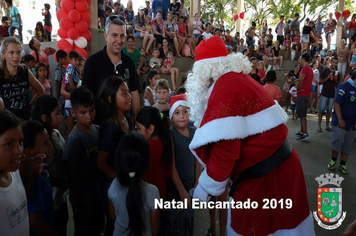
74	21
241	16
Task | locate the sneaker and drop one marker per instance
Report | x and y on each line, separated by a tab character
299	133
331	165
343	169
303	137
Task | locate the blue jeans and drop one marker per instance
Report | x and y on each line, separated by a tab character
12	29
315	49
326	104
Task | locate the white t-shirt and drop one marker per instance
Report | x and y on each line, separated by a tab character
14	219
294	93
196	24
117	194
316	76
207	36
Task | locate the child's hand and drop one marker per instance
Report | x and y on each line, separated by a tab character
32	165
185	195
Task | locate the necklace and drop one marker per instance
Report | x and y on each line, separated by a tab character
162	103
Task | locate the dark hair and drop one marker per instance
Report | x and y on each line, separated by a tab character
30	44
107	93
8	121
243	51
28	58
150	75
81	97
200	38
180	90
73	54
61	54
306	57
256	77
253	23
207	24
133	157
38	66
271	76
158	11
9	1
252	59
108	8
184	78
130	36
151	116
353	72
46	5
30	131
44	105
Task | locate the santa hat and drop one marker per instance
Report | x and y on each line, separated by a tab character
176	101
210	50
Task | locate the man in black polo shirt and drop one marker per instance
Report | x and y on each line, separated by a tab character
112	61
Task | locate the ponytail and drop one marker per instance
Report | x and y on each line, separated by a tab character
151	116
132	160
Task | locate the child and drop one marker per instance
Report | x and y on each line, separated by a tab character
70	82
155	128
167	68
269	55
315	84
287	44
289	82
144	69
81	152
273	90
293	91
162	92
47	21
155	62
4	27
30	63
261	71
81	63
42	77
197	27
59	73
150	96
47	111
131	199
40	32
13	202
254	69
39	196
188	168
116	102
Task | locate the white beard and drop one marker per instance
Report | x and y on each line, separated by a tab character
198	96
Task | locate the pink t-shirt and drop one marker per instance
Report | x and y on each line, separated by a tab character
307	83
273	91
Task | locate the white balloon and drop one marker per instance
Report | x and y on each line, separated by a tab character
81	42
69	40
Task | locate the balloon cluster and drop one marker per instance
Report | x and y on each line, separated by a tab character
74	20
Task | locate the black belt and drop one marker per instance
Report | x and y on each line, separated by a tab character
264	167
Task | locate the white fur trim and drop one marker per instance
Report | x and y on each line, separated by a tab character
212	187
210	60
201	194
306	227
238	127
176	105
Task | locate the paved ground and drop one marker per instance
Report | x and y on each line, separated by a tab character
314	156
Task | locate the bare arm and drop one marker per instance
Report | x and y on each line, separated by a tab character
37	222
36	86
148	95
135	104
301	80
112	211
155	222
339	115
103	165
58	89
64	92
197	171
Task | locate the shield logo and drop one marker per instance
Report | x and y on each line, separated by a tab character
127	74
329	204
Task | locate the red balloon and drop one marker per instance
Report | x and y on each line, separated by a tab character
74	15
81	6
66	24
86	35
63	44
73	33
62	33
81	26
88	1
61	13
81	52
67	50
85	17
67	5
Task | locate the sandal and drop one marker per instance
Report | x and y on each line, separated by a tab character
328	129
319	130
210	232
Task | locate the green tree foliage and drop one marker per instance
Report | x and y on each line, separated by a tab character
222	10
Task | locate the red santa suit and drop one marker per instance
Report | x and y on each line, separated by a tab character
242	126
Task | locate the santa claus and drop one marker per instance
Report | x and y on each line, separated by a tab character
242	139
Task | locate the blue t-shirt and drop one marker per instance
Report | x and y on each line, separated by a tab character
320	27
71	70
82	149
14	14
346	97
157	5
39	199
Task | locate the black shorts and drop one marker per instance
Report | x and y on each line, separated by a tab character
159	38
295	47
302	106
